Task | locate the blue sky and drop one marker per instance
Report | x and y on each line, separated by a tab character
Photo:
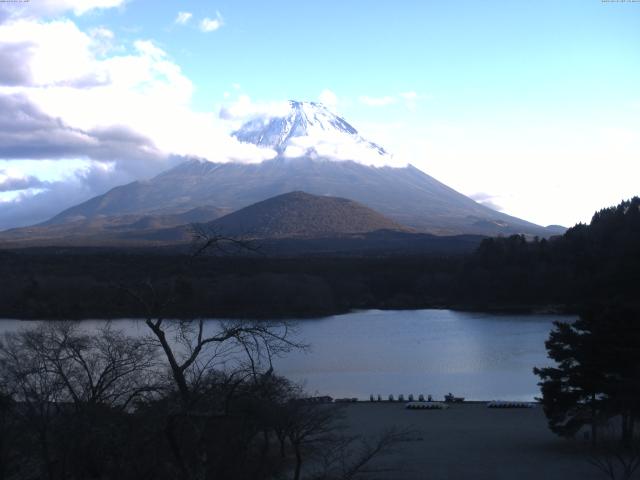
520	104
504	55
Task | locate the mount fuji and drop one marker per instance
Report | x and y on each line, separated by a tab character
309	128
316	152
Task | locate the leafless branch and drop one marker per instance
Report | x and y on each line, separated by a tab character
207	241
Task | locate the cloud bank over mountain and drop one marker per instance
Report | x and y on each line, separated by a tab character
455	100
124	109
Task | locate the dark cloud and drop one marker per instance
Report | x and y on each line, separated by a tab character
12	184
28	133
14	63
116	155
31	208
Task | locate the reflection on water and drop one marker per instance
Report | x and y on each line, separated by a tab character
478	356
475	355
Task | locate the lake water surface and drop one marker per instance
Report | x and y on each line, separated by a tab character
475	355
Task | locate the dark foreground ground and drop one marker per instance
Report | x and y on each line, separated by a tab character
471	441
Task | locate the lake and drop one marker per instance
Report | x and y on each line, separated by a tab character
479	356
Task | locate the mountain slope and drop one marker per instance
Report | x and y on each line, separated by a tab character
406	195
299	224
106	230
318	153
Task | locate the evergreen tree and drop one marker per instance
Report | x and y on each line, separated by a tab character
597	375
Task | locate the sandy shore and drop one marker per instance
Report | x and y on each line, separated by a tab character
472	441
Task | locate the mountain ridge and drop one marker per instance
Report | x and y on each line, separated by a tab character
406	195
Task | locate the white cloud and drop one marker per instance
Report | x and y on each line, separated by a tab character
94	92
158	97
337	146
55	53
409	95
410	100
103	41
548	171
329	99
101	32
39	8
377	101
244	109
211	24
487	200
183	18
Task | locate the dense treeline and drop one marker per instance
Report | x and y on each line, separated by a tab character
595	380
599	262
90	285
596	377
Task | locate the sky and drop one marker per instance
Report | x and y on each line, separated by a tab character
532	108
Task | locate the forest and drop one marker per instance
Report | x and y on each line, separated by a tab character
597	262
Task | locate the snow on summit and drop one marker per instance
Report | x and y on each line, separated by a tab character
309	129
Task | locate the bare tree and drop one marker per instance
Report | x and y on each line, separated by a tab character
60	376
106	367
193	349
205	241
7	414
216	366
40	392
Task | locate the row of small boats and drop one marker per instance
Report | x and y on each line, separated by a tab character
442	405
392	398
449	398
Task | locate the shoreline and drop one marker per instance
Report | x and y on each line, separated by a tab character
494	309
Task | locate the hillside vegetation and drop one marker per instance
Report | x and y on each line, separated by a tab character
299	214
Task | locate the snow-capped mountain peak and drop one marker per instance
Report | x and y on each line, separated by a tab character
311	129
